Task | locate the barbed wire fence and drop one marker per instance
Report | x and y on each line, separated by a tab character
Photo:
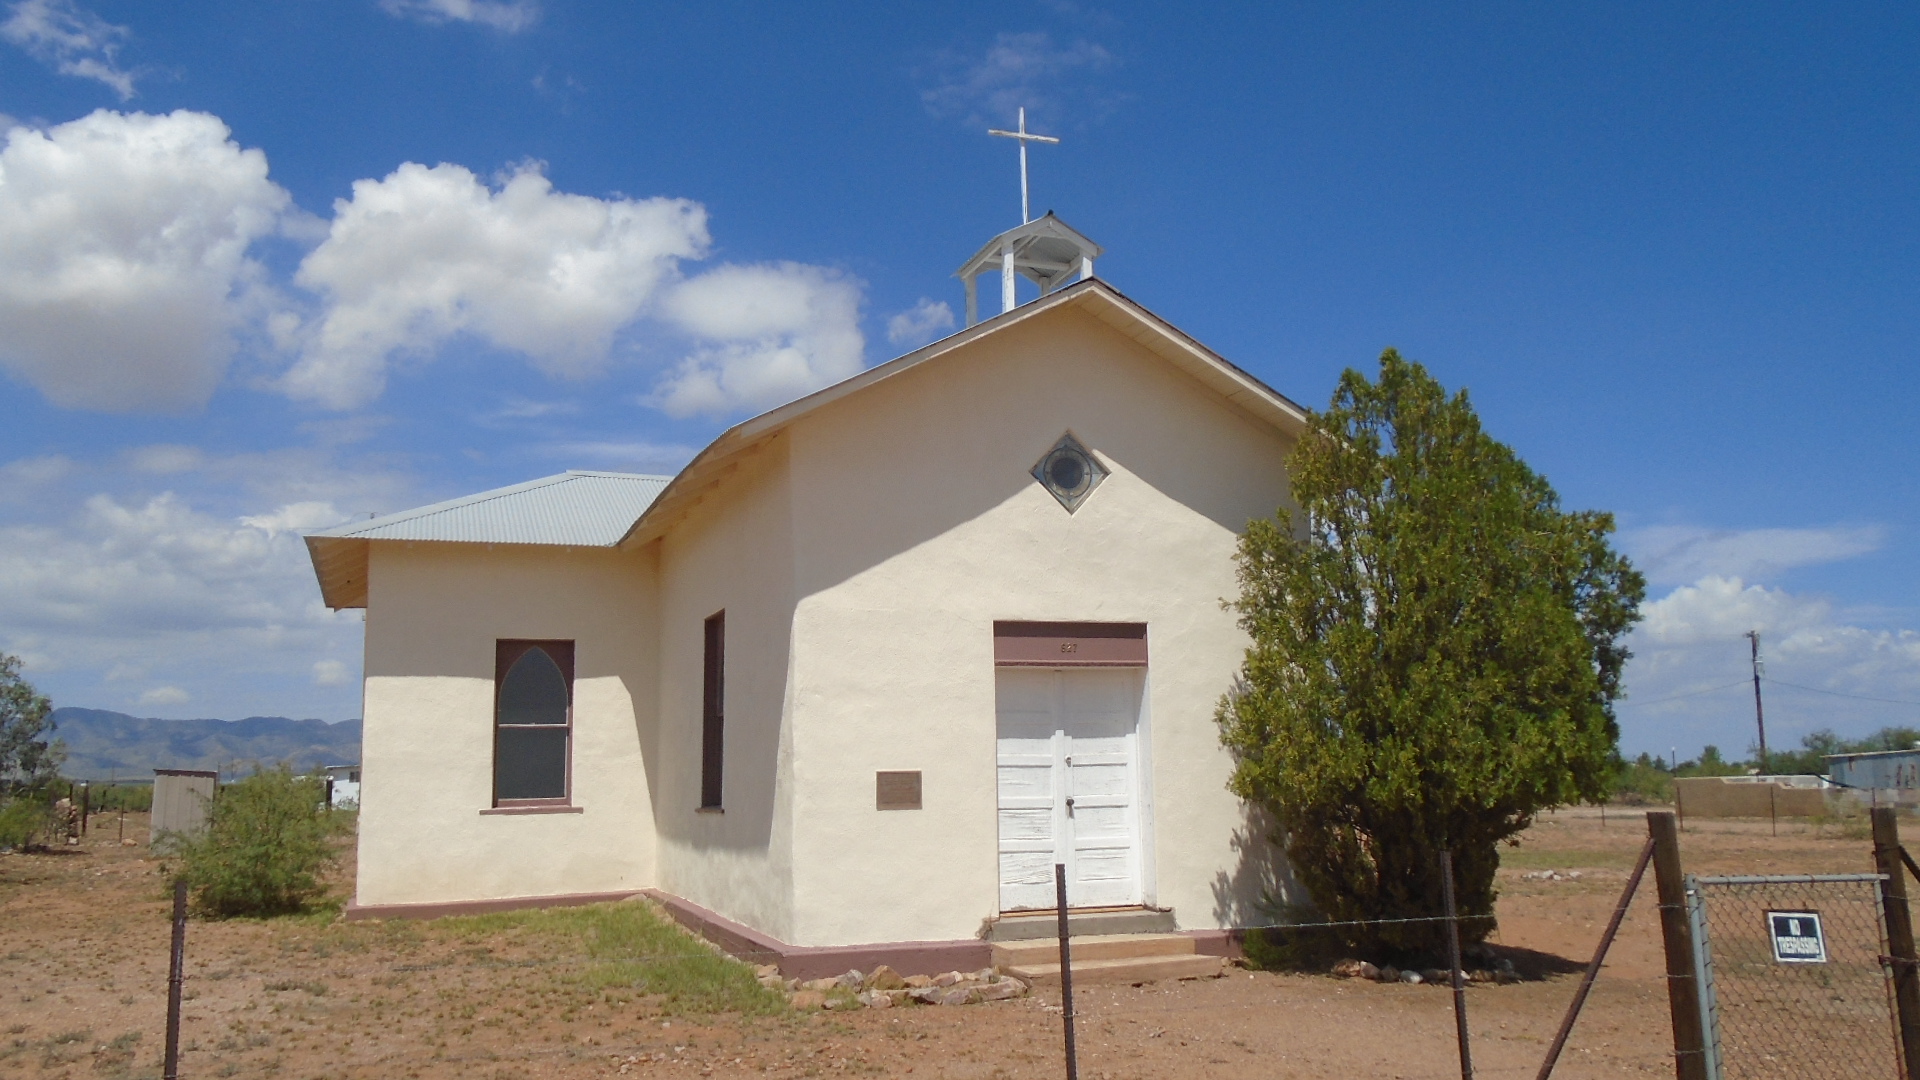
1793	976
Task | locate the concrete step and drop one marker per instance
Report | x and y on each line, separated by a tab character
1028	925
1137	969
1097	947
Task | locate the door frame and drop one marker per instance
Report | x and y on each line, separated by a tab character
1069	646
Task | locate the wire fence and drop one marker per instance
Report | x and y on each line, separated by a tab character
1796	982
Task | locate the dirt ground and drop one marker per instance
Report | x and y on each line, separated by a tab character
83	952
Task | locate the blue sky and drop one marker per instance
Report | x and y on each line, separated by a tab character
264	266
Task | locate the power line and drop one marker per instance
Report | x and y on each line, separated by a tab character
1774	681
1836	693
1694	693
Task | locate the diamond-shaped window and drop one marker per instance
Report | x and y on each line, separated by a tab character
1069	472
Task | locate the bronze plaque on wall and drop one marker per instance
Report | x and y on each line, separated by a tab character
896	790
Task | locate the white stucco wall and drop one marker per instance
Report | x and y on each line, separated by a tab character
733	552
862	556
916	524
434	614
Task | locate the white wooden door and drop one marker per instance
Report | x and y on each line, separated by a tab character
1069	785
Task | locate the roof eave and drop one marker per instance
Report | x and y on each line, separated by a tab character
340	562
1227	379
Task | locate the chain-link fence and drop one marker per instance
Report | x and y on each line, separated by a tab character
1794	982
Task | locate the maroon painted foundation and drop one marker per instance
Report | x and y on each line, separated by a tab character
754	947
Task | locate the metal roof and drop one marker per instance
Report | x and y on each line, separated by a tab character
573	509
582	509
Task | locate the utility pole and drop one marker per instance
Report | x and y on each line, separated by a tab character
1759	714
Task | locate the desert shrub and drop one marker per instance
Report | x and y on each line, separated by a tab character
133	798
1642	781
25	821
267	842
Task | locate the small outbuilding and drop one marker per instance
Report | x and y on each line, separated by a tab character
1892	771
343	786
181	798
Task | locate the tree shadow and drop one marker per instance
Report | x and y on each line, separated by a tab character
1261	886
1532	965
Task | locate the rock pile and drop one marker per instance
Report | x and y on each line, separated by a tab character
1551	875
1501	972
885	988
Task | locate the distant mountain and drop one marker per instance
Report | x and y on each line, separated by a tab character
101	744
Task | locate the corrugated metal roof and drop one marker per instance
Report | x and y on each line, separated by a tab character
580	509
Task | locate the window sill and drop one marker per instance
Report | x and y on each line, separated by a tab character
710	810
506	811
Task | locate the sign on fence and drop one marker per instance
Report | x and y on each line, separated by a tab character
1792	983
1797	938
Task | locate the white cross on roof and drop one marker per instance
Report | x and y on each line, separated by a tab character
1024	136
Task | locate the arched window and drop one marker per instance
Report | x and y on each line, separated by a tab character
533	722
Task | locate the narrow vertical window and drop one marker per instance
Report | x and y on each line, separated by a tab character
532	722
713	712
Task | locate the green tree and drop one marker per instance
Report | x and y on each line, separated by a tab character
268	841
28	759
1435	649
1712	764
1811	758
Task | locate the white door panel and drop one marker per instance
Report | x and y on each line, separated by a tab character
1070	787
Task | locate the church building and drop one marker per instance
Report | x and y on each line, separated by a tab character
847	687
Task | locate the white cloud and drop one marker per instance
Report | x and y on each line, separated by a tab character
1671	554
126	279
425	254
296	518
1689	679
515	407
1018	70
154	566
74	40
123	257
18	478
165	459
920	323
213	607
652	457
330	673
165	695
1722	609
771	332
510	16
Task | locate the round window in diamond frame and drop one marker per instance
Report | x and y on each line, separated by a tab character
1069	472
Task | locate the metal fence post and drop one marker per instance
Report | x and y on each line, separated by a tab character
1683	991
1066	967
1593	967
1899	919
1703	977
1454	974
176	974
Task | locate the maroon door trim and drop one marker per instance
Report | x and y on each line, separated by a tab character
1069	644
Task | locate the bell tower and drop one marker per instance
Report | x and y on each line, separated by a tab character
1048	252
1045	252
